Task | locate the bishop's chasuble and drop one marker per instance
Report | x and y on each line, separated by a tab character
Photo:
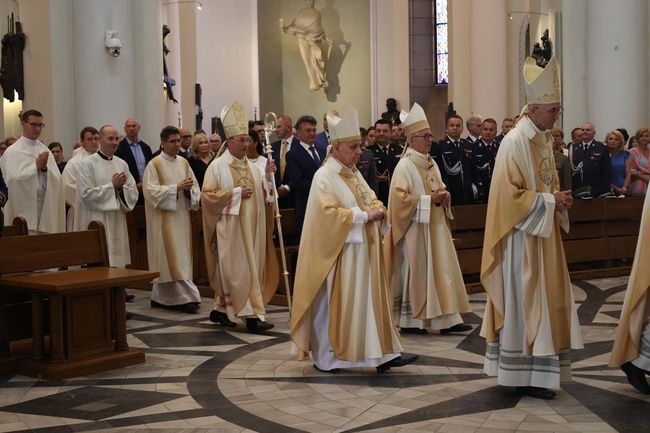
99	200
169	237
424	274
240	254
341	307
530	320
632	341
34	195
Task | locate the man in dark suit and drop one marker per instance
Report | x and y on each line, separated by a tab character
506	126
323	137
286	141
302	162
590	163
453	156
4	195
135	152
386	155
186	142
484	152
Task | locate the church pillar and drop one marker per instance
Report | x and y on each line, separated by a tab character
617	65
488	42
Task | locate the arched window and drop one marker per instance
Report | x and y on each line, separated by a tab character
441	41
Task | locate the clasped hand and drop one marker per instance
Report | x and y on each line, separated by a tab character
563	200
441	196
119	179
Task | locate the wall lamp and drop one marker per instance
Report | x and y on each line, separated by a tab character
525	12
185	1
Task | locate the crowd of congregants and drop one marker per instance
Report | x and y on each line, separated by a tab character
372	205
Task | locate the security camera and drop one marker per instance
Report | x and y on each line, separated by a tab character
113	43
114	47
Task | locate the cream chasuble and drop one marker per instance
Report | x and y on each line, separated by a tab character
169	238
632	341
341	307
530	319
99	200
69	175
240	254
423	271
36	196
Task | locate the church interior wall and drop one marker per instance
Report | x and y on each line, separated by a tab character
73	80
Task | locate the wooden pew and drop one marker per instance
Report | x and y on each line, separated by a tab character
86	311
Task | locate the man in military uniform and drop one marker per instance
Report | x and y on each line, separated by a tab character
386	157
590	163
453	155
484	153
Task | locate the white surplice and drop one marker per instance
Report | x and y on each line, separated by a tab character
69	175
169	245
99	200
34	195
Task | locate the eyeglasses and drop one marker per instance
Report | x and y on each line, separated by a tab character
215	141
186	136
175	141
426	137
36	125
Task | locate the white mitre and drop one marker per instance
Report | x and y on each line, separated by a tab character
234	120
344	129
542	85
415	120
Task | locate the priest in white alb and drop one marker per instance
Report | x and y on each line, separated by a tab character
237	225
170	191
530	320
342	313
33	179
105	192
423	271
89	145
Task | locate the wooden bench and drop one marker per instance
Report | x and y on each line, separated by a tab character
85	311
600	243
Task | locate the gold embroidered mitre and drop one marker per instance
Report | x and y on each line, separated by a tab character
234	120
344	129
415	120
542	85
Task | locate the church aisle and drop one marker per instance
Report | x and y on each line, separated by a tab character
202	377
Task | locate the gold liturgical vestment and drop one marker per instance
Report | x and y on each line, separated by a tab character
240	254
631	342
530	318
345	258
425	277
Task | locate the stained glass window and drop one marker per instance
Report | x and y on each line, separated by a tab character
441	42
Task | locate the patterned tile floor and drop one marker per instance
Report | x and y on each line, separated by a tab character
200	377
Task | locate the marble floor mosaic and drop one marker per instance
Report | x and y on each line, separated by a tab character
201	377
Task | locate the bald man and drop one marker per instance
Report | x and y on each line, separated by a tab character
135	152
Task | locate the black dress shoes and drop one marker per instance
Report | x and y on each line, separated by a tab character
128	297
636	377
536	392
222	318
256	326
461	327
334	370
400	361
417	331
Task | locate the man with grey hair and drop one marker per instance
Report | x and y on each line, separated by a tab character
530	321
474	124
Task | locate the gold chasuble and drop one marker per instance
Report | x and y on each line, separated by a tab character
344	258
628	344
423	270
524	268
240	254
